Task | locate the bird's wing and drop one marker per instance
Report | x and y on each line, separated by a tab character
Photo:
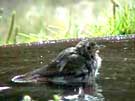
57	65
63	58
65	53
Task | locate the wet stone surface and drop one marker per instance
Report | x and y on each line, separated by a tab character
116	81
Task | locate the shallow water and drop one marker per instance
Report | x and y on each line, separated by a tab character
116	81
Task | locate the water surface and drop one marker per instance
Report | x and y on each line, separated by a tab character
116	81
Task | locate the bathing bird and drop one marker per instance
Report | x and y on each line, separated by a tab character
73	65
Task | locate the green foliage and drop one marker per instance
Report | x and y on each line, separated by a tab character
56	98
38	27
11	36
123	23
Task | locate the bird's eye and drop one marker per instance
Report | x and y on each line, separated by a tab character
89	48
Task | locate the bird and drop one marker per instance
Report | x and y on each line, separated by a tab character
73	65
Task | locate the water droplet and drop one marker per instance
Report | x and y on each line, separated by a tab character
107	78
41	62
125	59
125	48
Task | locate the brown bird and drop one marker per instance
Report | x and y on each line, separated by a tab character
74	65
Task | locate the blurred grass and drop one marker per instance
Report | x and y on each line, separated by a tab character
124	22
20	31
11	27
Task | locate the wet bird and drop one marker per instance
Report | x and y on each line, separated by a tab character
73	65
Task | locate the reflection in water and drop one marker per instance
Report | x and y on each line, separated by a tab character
116	80
71	94
89	93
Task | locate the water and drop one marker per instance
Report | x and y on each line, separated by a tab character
116	81
117	76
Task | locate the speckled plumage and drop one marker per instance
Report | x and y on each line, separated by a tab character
72	65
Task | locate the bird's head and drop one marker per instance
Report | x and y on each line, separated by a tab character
87	48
